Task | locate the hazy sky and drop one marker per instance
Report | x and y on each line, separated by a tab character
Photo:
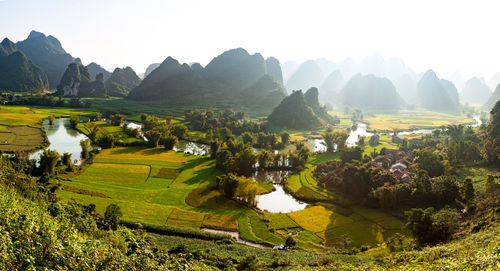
443	35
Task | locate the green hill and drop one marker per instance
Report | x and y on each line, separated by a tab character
294	112
48	54
122	81
431	94
370	92
17	72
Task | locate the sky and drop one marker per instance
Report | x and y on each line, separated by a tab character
445	36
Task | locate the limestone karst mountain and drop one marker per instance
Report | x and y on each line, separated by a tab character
234	76
48	54
151	68
331	86
370	92
294	112
431	94
77	82
122	81
96	69
308	75
17	72
475	92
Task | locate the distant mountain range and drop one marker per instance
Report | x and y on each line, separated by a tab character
234	77
436	94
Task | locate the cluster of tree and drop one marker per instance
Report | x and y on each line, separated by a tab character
159	132
237	187
334	139
209	120
377	187
43	99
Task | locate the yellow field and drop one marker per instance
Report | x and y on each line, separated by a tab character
223	222
405	120
115	173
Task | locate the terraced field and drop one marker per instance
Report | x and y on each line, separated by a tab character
20	126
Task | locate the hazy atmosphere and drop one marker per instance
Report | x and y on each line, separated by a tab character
446	36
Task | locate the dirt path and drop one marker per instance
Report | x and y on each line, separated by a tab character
236	236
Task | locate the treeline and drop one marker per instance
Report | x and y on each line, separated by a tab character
42	100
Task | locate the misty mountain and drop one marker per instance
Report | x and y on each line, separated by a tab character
273	68
122	81
458	80
406	86
330	87
95	69
294	112
494	81
288	69
431	93
235	76
17	72
475	92
451	90
308	75
370	92
151	68
48	54
493	99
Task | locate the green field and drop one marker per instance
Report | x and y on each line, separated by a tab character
20	126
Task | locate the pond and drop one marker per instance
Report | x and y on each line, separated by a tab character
62	138
277	201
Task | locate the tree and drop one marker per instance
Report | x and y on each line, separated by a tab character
227	184
117	120
349	154
73	121
51	120
169	141
467	190
290	242
265	158
113	214
420	224
430	162
285	138
48	161
85	145
107	141
66	160
329	141
180	131
97	116
153	137
247	138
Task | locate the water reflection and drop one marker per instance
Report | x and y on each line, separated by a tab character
277	201
62	138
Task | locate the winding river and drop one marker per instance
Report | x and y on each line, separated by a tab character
63	139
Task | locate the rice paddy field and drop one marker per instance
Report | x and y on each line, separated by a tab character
416	119
20	126
105	127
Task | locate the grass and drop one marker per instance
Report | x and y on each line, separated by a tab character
106	128
222	222
280	221
478	175
115	173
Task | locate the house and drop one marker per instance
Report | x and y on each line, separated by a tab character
399	166
397	139
405	178
398	173
374	140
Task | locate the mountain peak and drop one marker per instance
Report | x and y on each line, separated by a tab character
35	34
